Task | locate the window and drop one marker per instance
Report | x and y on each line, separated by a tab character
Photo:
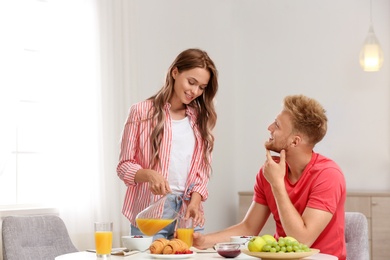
48	98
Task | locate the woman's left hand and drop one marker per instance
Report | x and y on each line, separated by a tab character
194	212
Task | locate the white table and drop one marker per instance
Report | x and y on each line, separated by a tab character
144	255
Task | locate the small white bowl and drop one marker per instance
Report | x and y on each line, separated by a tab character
240	239
140	243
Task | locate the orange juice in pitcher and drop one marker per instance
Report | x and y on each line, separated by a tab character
157	216
151	226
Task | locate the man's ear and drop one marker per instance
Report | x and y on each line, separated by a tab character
297	140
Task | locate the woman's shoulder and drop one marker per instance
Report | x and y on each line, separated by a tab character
141	109
142	106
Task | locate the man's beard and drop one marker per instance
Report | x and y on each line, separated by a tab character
277	149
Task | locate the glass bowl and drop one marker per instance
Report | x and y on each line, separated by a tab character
228	249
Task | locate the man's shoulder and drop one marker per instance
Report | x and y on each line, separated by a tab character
323	161
327	173
323	164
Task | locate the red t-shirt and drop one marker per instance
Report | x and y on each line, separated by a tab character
321	186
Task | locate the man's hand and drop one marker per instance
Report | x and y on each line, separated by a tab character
199	240
274	170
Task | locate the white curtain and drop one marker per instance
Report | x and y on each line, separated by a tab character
84	67
100	192
84	95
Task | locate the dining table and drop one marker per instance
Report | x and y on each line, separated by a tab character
198	254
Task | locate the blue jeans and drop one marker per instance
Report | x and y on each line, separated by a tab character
175	203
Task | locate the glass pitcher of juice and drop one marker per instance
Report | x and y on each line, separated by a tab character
157	216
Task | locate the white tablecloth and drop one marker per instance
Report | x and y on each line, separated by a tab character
146	255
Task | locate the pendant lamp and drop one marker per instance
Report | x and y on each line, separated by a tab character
371	55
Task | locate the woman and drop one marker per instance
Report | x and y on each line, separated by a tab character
167	142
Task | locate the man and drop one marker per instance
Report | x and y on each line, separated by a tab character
304	191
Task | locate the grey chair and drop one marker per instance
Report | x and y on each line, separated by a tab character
356	236
35	237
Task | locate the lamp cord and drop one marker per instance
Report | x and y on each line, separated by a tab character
371	12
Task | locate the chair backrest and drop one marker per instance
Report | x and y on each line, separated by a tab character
356	236
35	237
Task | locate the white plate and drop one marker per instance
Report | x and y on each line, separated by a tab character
200	251
172	256
279	256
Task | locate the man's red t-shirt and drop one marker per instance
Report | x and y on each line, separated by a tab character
321	186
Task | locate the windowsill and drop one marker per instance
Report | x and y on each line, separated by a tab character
26	210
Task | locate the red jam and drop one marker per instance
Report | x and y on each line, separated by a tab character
229	253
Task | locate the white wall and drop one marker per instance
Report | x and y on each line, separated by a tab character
265	50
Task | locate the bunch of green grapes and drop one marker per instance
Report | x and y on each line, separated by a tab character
284	245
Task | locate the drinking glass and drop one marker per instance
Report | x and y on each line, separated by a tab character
103	239
185	230
157	216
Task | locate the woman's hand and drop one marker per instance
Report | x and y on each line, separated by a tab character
193	210
158	185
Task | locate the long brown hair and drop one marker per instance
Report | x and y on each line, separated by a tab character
204	104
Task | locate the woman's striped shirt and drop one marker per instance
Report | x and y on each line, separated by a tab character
135	151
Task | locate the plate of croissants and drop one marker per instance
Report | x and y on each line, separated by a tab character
169	249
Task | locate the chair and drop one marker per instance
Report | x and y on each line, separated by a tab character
356	236
35	237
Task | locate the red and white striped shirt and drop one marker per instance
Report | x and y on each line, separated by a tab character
135	151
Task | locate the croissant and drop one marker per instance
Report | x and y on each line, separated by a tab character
158	245
175	245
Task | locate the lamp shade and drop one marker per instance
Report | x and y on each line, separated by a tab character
371	55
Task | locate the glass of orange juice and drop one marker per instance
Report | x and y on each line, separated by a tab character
185	230
157	216
103	239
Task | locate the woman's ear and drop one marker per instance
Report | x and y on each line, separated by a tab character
174	72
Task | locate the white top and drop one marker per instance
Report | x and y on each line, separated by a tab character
183	144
